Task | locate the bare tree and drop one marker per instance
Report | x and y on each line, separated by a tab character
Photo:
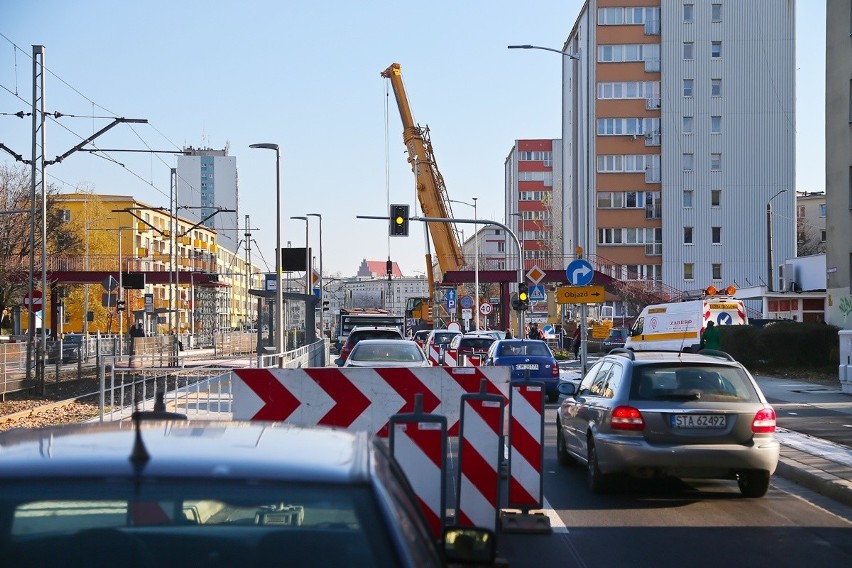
808	241
15	203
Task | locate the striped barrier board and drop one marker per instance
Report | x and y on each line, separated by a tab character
358	398
441	357
418	442
480	446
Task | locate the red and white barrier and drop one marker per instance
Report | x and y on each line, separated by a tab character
441	357
358	398
480	445
418	441
526	453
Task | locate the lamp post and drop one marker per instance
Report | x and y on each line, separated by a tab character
322	274
476	258
580	237
769	282
279	285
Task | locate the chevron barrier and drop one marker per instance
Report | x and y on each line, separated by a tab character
359	398
441	357
418	441
480	446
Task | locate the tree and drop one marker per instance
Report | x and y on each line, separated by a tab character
15	188
807	239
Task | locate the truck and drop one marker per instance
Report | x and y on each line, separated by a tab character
434	202
355	317
678	326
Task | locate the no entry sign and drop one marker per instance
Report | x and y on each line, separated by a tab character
34	303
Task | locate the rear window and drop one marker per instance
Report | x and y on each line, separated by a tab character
478	343
695	382
373	334
533	348
443	338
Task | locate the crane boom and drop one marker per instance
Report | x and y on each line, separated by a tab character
431	191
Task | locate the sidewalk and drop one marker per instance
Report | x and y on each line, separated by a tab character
817	464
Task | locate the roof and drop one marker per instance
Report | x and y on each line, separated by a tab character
236	450
378	269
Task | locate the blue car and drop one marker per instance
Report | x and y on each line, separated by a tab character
530	359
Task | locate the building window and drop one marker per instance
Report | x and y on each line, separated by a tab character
716	12
715	162
822	210
687	198
687	235
822	236
687	124
717	271
716	49
715	125
65	215
715	87
716	235
688	13
688	161
688	50
715	197
688	85
688	271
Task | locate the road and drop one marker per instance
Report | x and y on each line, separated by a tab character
679	524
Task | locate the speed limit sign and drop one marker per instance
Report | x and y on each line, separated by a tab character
485	308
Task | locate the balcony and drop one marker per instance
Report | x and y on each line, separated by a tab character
655	249
652	65
653	175
652	27
653	103
653	139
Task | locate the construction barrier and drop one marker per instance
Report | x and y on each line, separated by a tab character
359	398
526	456
418	441
480	445
440	356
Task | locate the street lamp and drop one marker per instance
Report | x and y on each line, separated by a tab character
476	258
771	260
322	274
279	285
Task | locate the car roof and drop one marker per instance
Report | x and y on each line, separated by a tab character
221	450
374	327
643	357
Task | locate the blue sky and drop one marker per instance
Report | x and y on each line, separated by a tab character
305	75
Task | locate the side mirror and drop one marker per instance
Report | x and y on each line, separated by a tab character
567	388
469	545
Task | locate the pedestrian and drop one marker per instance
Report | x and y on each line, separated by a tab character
534	333
575	345
710	337
508	333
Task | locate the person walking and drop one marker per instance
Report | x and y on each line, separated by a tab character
509	333
534	334
710	337
575	342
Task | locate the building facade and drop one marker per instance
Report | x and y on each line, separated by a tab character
838	162
678	133
811	234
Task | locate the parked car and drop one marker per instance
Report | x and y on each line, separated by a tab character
470	345
178	493
71	346
529	359
616	338
366	332
658	414
386	353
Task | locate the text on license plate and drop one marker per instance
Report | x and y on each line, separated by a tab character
527	366
698	421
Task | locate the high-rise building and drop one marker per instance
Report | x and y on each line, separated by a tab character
838	162
678	125
207	192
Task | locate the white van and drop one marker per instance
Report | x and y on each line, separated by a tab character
678	326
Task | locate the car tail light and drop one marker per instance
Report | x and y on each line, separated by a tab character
627	418
554	370
764	421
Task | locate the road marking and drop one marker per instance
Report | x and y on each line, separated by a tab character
556	523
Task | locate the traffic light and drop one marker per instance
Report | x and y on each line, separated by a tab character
523	297
399	220
325	305
515	304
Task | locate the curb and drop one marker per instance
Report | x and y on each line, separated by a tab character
816	479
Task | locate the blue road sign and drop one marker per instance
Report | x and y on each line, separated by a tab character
466	302
451	299
579	272
724	318
537	293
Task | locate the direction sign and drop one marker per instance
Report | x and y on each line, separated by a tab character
485	309
451	299
579	294
537	293
34	304
579	272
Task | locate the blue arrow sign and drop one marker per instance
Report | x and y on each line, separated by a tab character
451	299
724	318
537	293
579	272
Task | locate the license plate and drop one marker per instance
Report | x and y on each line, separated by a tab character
698	421
526	367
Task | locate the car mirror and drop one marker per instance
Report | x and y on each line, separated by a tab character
567	388
469	545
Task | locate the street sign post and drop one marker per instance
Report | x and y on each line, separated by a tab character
35	303
579	294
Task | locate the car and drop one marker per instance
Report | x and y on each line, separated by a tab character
470	345
616	338
439	339
668	414
529	359
495	333
176	493
71	346
386	353
420	337
366	332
